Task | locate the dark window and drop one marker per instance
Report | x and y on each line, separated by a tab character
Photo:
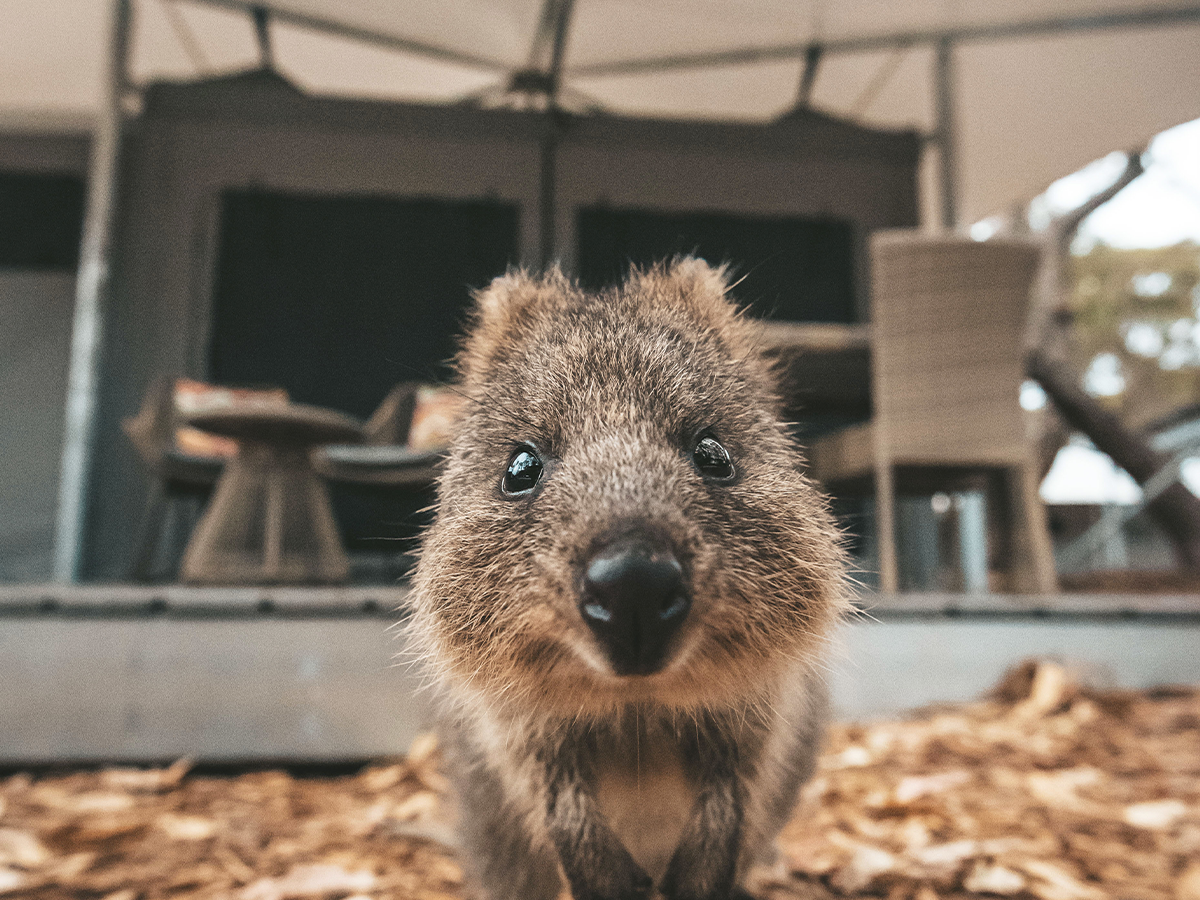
41	217
790	268
337	299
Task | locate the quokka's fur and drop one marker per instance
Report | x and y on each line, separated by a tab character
571	776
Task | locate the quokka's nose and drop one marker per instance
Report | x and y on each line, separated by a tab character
634	600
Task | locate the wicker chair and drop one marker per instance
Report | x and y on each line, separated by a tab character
947	319
180	484
384	459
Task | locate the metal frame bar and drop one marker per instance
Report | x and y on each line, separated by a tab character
946	133
808	76
262	35
558	49
185	36
743	55
366	35
555	24
878	82
551	39
548	188
1084	547
92	305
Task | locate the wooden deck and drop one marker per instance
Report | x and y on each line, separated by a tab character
119	672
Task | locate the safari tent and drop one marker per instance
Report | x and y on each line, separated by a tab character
159	157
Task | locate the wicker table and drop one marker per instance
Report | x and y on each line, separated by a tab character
270	521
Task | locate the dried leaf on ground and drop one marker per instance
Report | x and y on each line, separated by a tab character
1043	791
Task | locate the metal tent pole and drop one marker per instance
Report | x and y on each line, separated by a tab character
329	23
946	133
262	35
92	302
548	189
808	77
1138	18
551	39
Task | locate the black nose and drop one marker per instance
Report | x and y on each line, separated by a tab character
634	600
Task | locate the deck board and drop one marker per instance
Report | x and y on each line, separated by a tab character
117	672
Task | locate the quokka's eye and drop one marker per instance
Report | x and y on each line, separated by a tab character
523	472
711	459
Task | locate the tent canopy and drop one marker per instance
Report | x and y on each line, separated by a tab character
1039	88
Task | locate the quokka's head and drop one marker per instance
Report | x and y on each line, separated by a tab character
622	517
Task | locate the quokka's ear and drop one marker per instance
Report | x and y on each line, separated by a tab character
689	282
698	289
702	291
503	313
699	279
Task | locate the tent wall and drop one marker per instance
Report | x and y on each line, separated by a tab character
809	165
192	142
56	153
35	334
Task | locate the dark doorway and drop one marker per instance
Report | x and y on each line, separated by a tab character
41	217
791	268
338	298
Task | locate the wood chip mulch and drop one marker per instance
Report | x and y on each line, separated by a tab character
1043	791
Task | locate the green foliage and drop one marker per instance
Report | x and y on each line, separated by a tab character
1135	328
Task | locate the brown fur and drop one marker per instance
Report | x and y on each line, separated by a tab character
559	762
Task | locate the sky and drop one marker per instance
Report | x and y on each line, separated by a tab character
1160	208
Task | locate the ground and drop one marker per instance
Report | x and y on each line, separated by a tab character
1044	791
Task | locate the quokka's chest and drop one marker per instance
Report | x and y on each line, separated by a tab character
646	792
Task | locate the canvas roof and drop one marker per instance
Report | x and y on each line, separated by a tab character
1031	105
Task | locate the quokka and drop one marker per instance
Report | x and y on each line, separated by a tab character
626	593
